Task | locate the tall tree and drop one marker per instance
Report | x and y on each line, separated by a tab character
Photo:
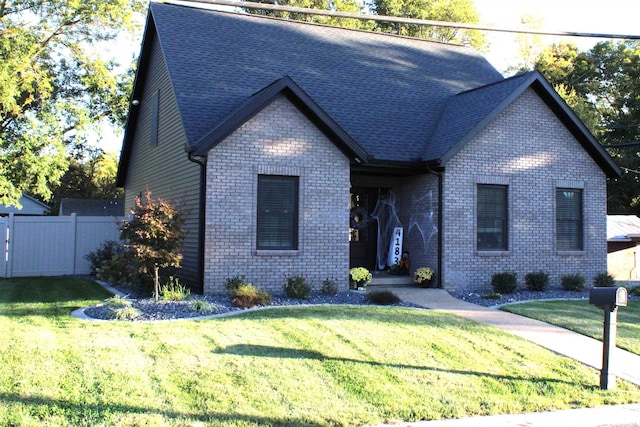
53	86
91	175
435	10
603	86
350	6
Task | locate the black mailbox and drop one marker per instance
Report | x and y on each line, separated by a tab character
608	298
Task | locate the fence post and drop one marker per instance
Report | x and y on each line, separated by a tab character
10	247
74	229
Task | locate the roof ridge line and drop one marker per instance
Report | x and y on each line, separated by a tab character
315	24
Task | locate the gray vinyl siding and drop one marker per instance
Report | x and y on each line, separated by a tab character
164	168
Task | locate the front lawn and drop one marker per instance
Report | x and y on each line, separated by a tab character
584	318
313	366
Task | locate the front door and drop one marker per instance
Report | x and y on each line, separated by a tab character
363	236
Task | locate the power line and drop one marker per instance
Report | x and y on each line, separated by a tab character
395	19
623	144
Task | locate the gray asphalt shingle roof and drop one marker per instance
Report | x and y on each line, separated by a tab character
467	111
397	99
386	92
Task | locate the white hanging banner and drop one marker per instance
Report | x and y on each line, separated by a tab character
395	249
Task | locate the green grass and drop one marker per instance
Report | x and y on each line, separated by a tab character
587	319
310	366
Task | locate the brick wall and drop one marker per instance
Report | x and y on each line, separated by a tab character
281	141
527	148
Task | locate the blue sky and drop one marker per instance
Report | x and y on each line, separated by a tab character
589	16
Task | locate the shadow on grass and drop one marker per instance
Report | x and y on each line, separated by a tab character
81	412
47	295
292	353
360	313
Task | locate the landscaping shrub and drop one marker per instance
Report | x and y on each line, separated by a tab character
109	249
125	313
538	281
382	297
572	282
635	291
329	287
231	284
117	301
492	295
297	287
247	295
121	309
173	290
505	282
603	280
201	305
123	270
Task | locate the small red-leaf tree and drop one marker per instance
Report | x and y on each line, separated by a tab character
155	235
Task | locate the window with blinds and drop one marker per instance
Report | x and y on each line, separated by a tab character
277	212
492	218
569	228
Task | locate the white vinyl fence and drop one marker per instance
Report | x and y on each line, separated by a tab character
52	245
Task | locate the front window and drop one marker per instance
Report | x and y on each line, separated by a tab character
492	218
569	219
277	212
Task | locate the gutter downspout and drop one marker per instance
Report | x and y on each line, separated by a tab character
201	212
439	175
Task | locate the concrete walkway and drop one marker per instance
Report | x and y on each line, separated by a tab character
556	339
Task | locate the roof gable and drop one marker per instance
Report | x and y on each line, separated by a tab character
28	206
468	113
252	106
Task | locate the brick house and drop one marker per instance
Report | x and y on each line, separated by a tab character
301	149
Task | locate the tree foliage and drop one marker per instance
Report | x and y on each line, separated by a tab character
603	86
155	235
435	10
350	6
54	88
91	175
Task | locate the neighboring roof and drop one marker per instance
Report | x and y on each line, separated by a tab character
623	228
91	207
30	206
382	97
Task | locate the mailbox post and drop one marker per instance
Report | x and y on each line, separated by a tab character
608	299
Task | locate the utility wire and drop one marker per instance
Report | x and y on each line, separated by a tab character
369	17
395	19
